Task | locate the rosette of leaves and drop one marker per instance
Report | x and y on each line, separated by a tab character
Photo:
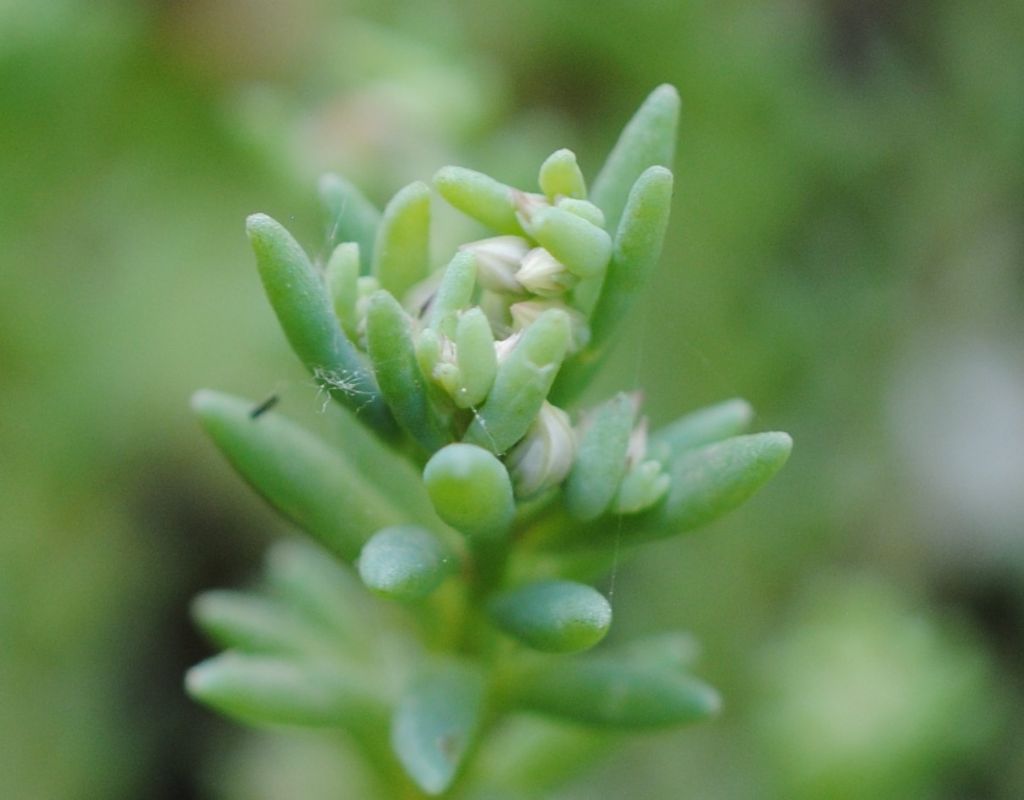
444	620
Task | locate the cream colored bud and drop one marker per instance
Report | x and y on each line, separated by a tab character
636	450
544	456
497	261
526	313
541	273
526	205
503	347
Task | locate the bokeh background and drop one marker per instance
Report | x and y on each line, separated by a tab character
846	252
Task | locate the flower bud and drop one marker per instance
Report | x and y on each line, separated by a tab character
641	487
527	312
526	205
497	260
545	455
542	274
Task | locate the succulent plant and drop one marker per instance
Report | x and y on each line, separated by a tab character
470	505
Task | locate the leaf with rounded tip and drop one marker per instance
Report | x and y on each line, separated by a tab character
580	245
342	275
272	690
303	307
635	254
708	482
325	592
350	216
404	562
436	722
522	383
402	250
560	176
389	341
555	616
704	426
478	196
477	359
600	458
310	483
454	293
253	623
649	138
611	692
470	489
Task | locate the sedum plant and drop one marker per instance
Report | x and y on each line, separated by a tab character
445	618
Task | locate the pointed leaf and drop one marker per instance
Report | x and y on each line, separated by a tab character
478	196
308	482
436	722
522	384
389	341
649	138
350	216
600	458
470	489
304	309
404	562
554	616
401	253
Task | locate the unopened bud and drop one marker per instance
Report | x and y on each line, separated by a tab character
542	274
503	347
497	260
526	205
545	455
527	312
641	487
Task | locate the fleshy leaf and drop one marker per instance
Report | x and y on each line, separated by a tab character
282	691
389	341
612	692
307	481
478	196
342	274
303	307
454	293
350	216
560	176
635	254
436	722
253	623
404	562
470	489
401	253
710	481
325	592
649	138
704	426
522	384
555	616
478	362
600	458
580	245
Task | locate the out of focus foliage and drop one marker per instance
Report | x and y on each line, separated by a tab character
846	251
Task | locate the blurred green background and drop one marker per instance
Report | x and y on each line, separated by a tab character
846	252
